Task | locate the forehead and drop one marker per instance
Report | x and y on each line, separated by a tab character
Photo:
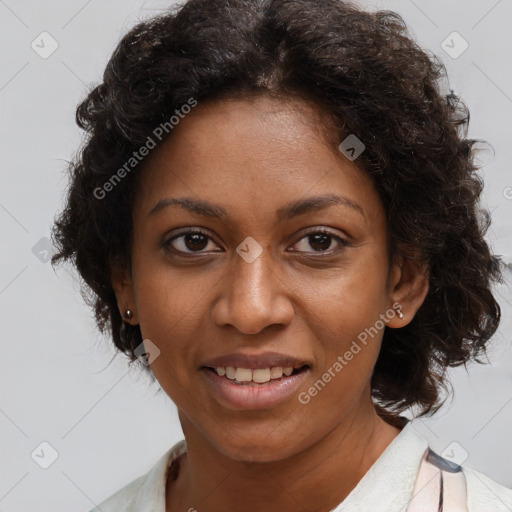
271	128
253	153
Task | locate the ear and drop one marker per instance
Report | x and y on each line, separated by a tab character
122	284
408	284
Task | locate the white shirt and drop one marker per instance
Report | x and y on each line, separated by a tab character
386	487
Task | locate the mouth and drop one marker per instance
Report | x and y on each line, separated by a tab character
238	388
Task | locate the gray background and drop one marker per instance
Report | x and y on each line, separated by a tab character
57	382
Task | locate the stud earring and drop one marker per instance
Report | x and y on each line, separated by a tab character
128	314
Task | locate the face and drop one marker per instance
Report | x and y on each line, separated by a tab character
258	245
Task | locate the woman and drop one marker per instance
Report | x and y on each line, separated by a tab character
277	212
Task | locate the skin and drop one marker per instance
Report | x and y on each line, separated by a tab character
253	157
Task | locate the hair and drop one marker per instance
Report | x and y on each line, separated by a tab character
363	69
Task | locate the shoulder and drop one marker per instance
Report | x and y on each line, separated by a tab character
482	493
147	492
486	494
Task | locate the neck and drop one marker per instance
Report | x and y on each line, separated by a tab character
318	478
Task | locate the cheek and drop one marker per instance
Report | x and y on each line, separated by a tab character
170	307
344	314
169	314
350	334
166	297
347	300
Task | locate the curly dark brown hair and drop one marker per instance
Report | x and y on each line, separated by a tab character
366	71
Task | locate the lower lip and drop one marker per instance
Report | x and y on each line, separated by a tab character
254	396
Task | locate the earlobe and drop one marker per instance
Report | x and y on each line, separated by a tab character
122	286
409	289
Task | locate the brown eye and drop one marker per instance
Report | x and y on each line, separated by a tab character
193	241
321	241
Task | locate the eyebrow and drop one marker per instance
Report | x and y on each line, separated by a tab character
287	212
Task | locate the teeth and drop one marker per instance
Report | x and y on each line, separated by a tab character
276	372
259	375
243	375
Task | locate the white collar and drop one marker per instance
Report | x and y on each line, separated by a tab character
389	482
151	494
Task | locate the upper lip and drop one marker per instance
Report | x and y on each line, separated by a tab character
254	361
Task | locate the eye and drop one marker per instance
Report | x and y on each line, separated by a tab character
321	240
190	241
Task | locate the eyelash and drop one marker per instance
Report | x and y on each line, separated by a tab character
167	245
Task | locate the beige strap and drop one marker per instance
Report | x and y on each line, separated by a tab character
440	486
455	492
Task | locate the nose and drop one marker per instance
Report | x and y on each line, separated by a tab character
253	296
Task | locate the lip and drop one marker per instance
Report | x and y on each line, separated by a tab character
254	361
258	396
